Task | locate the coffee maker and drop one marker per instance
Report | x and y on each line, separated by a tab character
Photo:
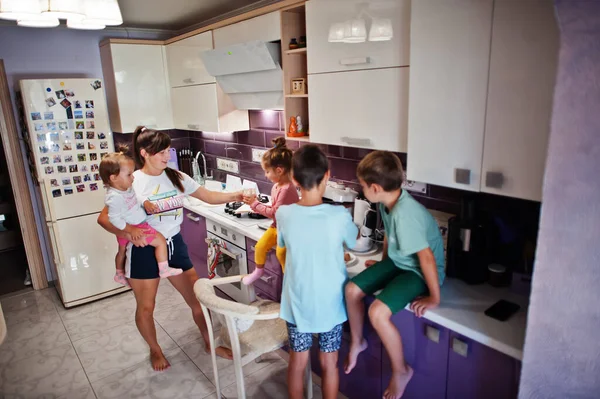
469	245
365	217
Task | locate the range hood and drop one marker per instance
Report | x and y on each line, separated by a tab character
250	73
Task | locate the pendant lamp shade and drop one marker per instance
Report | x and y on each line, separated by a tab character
104	12
64	9
20	9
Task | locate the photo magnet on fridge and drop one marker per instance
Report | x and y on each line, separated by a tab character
95	167
56	193
91	147
90	135
45	160
87	178
73	168
101	136
55	147
76	179
80	188
67	147
89	103
51	125
77	104
69	93
66	181
48	116
41	137
38	126
54	183
43	149
60	94
104	145
80	146
36	116
96	84
81	158
49	170
61	169
90	125
68	190
84	168
53	136
78	135
65	103
93	156
68	158
89	114
94	187
69	113
56	159
50	102
79	125
97	176
78	114
62	126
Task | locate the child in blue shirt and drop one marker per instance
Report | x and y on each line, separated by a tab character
411	271
312	301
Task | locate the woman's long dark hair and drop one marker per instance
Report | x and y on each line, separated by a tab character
154	142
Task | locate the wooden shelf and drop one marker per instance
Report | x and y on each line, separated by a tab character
305	138
296	96
296	51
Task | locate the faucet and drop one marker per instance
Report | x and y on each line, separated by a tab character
206	176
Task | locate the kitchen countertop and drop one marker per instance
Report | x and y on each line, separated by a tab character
462	306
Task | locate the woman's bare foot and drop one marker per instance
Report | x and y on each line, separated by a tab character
159	361
398	384
355	350
221	351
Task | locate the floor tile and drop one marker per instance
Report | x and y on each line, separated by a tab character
195	350
167	296
85	392
178	322
32	307
181	380
114	350
96	317
49	375
29	338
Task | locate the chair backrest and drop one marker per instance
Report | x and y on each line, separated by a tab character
205	292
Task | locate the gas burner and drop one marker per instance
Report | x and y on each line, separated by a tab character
231	207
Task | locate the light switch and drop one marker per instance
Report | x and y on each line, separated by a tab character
460	347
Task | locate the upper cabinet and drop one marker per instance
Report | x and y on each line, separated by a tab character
184	63
450	52
481	87
358	92
323	17
266	28
136	86
523	65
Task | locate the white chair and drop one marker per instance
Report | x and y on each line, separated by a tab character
251	330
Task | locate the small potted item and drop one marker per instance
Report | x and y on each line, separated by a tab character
293	129
293	44
299	86
302	42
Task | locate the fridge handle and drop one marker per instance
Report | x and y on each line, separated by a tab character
46	195
56	247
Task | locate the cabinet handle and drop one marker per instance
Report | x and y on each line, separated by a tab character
494	179
462	176
193	127
266	279
193	218
355	61
433	334
460	347
253	248
188	80
356	142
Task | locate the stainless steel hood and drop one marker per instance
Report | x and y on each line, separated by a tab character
250	73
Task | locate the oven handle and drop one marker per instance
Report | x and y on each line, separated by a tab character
224	251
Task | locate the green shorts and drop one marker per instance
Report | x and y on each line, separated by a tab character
400	287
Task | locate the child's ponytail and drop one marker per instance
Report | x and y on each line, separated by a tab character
280	156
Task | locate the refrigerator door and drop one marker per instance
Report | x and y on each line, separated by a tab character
85	263
67	123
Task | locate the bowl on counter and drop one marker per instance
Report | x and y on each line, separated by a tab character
350	259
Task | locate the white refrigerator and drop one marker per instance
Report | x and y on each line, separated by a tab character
67	123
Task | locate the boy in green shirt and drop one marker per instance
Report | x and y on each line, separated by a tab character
411	271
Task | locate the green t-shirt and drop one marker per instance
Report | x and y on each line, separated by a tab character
410	228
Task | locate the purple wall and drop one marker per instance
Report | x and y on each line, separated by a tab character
30	53
562	349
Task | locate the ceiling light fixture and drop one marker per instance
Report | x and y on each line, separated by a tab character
80	14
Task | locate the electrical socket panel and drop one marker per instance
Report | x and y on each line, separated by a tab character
414	186
228	165
257	154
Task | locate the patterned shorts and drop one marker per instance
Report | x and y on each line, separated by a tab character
330	341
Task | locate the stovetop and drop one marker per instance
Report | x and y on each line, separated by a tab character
247	219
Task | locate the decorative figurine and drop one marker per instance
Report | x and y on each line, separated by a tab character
293	131
293	44
302	42
299	125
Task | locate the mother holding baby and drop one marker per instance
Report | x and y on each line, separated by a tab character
155	179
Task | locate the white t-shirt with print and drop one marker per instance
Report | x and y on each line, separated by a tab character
160	190
123	208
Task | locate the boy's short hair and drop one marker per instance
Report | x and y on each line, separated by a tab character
383	168
309	166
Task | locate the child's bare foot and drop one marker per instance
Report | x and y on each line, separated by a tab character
355	350
159	361
120	278
221	351
398	384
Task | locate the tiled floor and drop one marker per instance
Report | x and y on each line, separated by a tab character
95	351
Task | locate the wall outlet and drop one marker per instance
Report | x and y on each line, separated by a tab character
228	165
414	186
257	154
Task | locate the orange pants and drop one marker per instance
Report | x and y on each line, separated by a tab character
265	244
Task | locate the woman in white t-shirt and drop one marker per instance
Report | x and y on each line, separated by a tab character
161	190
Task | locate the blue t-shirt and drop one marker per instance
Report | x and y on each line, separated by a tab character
315	271
410	228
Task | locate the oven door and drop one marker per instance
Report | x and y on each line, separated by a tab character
232	262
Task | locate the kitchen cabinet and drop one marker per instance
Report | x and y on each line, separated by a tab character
481	122
270	284
449	53
367	109
477	371
193	231
135	79
206	108
184	63
523	64
426	350
266	28
325	56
